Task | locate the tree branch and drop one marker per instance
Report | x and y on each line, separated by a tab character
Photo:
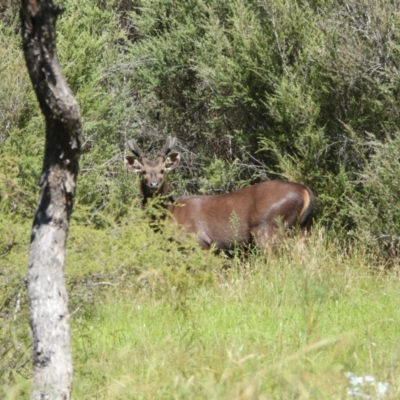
48	298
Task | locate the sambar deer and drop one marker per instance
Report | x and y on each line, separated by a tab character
254	214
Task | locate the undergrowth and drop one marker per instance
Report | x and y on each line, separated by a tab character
155	318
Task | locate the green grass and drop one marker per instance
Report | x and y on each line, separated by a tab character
153	321
286	326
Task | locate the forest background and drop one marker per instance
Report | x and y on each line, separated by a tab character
301	90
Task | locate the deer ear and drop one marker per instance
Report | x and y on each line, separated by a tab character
132	164
172	161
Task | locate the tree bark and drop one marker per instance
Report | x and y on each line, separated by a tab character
48	298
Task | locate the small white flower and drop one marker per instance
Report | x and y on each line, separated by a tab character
357	383
383	388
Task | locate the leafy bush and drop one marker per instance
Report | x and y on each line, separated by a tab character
252	90
376	210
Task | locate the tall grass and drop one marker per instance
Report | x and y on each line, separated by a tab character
286	326
159	319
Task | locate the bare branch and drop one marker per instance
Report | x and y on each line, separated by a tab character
48	298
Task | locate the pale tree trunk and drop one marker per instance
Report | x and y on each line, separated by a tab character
48	299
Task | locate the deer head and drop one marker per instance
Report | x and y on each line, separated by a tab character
153	179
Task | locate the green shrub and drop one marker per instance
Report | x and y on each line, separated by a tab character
376	210
253	90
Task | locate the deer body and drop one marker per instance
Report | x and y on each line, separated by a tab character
245	216
254	214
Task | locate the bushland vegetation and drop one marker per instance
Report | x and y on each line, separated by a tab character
299	90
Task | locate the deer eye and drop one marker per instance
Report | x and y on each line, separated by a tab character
162	171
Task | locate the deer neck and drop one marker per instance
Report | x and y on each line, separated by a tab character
147	194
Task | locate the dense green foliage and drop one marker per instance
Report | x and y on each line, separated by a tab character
306	91
293	89
311	86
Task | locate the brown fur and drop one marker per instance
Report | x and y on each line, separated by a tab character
253	214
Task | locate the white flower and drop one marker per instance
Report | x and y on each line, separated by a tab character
358	383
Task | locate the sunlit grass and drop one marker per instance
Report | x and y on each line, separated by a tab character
155	319
287	326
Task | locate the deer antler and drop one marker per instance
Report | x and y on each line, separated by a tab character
169	145
135	148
